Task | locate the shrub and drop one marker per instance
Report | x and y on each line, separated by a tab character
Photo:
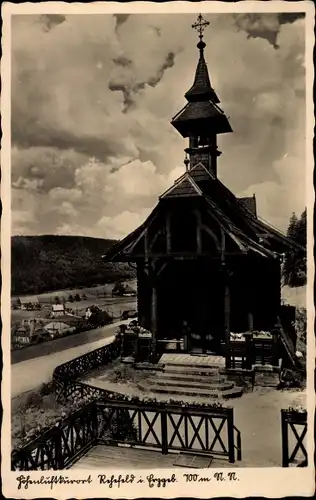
122	426
34	399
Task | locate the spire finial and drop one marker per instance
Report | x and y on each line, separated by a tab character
186	161
200	26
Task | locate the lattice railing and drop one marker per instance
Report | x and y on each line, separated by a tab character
61	445
66	375
208	430
294	431
171	427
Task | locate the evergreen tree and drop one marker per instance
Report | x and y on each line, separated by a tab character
294	266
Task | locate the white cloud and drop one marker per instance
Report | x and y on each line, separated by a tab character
119	226
67	72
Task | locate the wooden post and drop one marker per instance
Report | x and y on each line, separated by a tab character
227	309
153	321
168	232
285	440
250	322
230	435
226	289
164	432
198	232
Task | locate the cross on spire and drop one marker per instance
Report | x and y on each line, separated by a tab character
200	25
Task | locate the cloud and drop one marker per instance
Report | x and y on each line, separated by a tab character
106	87
50	20
124	80
266	26
117	227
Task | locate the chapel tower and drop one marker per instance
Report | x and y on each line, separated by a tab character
201	120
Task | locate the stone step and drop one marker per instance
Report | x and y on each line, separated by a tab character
267	379
191	377
217	363
181	391
196	392
191	370
235	392
193	385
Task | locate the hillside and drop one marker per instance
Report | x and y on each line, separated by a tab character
47	263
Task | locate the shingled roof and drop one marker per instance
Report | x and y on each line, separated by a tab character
202	88
249	202
183	187
237	220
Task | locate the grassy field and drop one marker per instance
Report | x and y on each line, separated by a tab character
99	296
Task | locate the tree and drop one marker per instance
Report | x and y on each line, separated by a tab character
294	266
77	297
57	299
18	302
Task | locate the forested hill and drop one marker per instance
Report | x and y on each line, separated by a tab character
47	263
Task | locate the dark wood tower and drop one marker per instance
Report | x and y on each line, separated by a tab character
206	264
201	120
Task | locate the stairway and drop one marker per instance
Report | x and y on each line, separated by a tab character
193	381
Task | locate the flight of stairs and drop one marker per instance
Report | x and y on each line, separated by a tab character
193	381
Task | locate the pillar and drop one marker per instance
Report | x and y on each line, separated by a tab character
154	322
250	322
226	308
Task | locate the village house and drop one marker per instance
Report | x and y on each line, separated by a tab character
29	305
58	310
59	328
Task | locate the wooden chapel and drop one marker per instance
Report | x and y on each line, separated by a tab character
206	264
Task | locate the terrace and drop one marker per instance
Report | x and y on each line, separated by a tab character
112	428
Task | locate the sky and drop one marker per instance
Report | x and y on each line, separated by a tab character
93	97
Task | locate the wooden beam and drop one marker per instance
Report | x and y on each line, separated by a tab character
154	239
223	245
146	245
168	232
227	309
178	256
250	322
212	234
198	232
153	321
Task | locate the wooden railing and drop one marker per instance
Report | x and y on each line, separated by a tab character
294	428
165	427
66	376
244	354
61	445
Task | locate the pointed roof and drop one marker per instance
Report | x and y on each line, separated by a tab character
201	115
200	173
183	187
201	88
248	232
198	116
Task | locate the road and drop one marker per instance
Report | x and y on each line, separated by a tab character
38	369
57	345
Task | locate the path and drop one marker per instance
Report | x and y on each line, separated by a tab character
64	343
29	374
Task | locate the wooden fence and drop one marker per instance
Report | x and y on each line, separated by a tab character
60	446
244	354
65	376
165	427
294	430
